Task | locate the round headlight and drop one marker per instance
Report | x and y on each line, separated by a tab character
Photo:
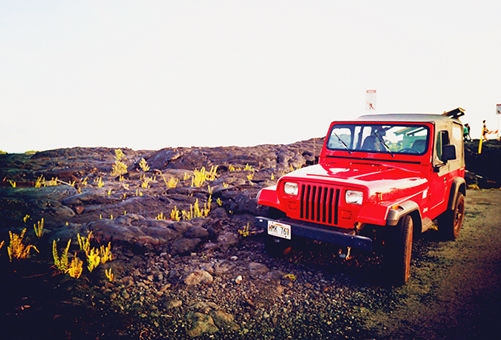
290	188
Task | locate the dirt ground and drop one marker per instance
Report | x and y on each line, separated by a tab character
455	290
313	293
454	293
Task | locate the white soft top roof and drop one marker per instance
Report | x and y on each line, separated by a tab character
404	117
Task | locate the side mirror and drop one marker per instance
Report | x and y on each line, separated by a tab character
448	153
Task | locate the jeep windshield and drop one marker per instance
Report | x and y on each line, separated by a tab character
382	138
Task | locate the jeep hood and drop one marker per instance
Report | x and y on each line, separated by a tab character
378	178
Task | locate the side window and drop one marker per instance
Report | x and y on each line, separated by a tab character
457	140
442	139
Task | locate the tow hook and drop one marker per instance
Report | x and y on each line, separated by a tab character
345	255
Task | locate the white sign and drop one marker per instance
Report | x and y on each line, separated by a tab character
370	100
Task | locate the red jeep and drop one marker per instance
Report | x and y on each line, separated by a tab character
380	180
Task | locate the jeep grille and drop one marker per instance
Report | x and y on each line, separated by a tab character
319	204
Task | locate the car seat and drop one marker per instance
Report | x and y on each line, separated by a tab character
419	145
371	144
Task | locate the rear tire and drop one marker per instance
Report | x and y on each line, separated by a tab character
451	221
397	257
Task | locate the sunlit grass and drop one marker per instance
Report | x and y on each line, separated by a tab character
38	228
161	217
93	256
245	231
99	182
61	261
42	182
75	267
175	214
171	183
144	165
17	249
145	181
109	274
119	168
201	176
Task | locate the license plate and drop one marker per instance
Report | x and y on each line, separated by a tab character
279	230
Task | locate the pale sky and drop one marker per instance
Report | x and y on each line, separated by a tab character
154	74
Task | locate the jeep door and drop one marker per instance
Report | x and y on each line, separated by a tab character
445	170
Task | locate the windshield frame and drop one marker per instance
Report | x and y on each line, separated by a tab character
390	138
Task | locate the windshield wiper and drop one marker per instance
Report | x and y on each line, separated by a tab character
342	142
384	144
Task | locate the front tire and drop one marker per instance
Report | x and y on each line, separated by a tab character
397	259
451	221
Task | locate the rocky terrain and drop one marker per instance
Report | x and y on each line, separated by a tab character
187	260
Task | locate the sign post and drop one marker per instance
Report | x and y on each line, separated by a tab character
498	113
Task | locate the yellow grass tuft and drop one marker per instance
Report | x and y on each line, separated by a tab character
119	168
39	228
17	249
201	176
175	214
84	242
144	165
75	268
93	259
109	274
105	253
61	262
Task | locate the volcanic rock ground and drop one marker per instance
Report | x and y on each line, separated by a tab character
210	277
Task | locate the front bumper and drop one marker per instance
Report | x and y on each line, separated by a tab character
321	233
